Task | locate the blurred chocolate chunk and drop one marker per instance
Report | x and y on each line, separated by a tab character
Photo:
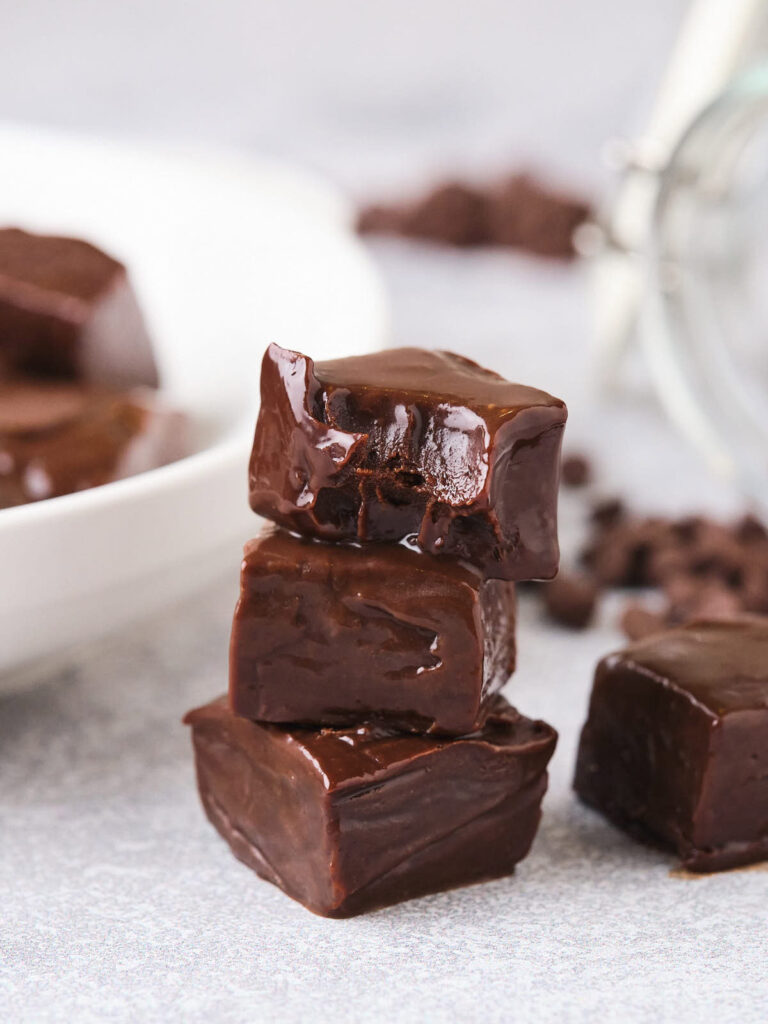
704	568
607	512
576	471
693	598
519	213
57	438
454	214
638	622
67	309
570	600
525	214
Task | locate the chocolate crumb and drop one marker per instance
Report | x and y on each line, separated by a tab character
638	622
570	600
749	530
576	471
607	512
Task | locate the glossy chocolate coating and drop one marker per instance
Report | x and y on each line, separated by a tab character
350	820
330	634
59	438
411	445
675	747
67	309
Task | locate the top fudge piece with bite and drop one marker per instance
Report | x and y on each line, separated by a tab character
676	743
67	309
411	445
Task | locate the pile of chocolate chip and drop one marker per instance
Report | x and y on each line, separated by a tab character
702	568
518	212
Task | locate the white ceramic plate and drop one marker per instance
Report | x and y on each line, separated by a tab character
227	255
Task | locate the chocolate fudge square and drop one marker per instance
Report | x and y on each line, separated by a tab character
349	820
411	445
67	309
59	438
329	634
675	747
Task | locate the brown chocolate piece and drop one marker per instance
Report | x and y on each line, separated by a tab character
68	310
638	622
520	213
706	569
524	214
690	598
332	634
59	438
570	600
622	555
576	471
346	821
453	213
675	747
411	445
607	512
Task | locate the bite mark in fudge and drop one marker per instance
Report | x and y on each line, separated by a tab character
60	438
675	747
411	445
67	309
331	634
347	821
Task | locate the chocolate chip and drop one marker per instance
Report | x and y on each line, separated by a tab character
749	530
570	600
576	471
691	598
454	214
638	622
607	512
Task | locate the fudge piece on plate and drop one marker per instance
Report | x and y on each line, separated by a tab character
59	438
67	309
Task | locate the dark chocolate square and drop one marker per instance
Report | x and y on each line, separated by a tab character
329	634
346	821
411	445
675	747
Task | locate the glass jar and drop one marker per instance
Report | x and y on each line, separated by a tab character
704	318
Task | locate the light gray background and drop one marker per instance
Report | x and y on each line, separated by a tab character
117	901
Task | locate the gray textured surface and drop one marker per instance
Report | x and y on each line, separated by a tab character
119	903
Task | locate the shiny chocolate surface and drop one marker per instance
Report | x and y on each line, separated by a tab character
411	445
675	747
349	820
332	633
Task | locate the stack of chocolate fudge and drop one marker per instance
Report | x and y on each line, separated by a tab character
364	754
